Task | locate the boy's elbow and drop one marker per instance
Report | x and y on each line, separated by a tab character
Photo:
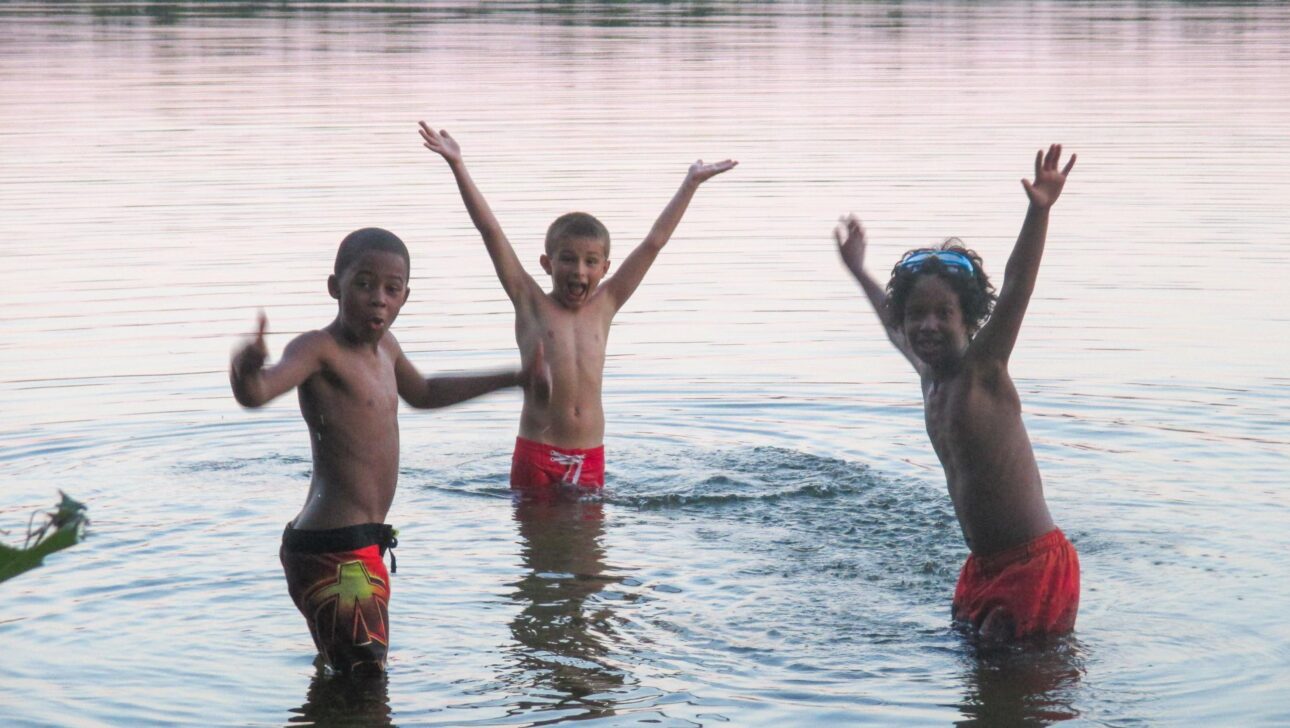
249	401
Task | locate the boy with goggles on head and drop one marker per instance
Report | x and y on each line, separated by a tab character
1022	576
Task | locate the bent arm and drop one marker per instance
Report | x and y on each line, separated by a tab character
445	390
630	274
999	335
255	385
852	245
515	280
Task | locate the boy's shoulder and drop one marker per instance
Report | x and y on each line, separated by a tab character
314	340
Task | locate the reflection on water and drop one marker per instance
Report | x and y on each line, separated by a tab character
563	636
1026	685
338	701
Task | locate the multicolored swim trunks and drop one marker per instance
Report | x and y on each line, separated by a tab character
1034	587
542	470
338	581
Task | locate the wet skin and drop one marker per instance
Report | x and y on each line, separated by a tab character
571	322
973	417
349	379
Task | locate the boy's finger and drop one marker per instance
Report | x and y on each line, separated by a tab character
1039	163
264	325
1067	169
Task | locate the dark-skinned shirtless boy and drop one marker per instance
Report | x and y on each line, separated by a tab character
1022	576
349	378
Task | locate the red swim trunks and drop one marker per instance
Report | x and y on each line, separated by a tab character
1035	586
545	470
338	581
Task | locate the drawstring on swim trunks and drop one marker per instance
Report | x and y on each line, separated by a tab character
572	462
389	542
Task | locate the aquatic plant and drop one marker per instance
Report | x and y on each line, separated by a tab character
63	527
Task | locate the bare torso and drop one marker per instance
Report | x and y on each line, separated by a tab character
351	408
974	422
574	347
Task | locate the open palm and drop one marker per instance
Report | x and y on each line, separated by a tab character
1047	187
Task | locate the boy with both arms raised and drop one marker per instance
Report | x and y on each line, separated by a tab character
1022	576
559	452
349	378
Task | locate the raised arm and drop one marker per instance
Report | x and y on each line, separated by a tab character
445	390
852	246
997	338
254	385
623	284
515	280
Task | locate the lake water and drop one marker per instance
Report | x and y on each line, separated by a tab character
777	547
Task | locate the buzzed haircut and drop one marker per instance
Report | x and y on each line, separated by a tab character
576	225
366	239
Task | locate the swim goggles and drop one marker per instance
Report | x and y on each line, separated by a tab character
955	263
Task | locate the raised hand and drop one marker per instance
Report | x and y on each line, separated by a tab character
441	143
1046	188
700	172
251	358
851	242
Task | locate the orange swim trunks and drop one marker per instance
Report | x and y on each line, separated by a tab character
545	470
338	581
1033	587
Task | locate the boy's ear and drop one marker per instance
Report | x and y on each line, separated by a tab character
546	263
333	286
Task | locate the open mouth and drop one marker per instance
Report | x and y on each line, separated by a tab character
576	291
926	345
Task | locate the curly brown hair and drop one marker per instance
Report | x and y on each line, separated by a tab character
975	292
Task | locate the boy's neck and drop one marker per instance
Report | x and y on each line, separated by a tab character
351	340
945	370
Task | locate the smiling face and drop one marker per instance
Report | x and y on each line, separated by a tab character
933	322
371	290
576	266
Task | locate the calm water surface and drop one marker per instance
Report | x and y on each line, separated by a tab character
776	547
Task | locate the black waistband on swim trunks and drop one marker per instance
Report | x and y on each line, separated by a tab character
346	538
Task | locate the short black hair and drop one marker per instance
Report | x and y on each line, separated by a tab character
365	239
976	294
576	225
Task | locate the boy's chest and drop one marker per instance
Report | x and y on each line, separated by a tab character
964	411
570	338
362	383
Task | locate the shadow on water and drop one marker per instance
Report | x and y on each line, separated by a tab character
562	640
337	701
1033	684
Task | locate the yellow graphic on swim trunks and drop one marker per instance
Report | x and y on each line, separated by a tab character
355	602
